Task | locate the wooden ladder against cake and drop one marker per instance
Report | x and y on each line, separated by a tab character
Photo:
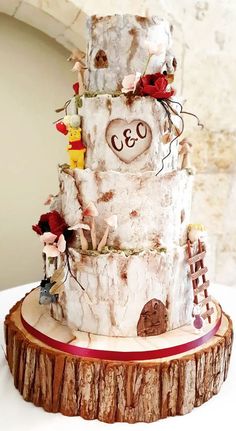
197	271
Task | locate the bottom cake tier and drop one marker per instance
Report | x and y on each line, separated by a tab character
76	377
118	294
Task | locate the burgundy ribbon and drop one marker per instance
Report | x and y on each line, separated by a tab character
111	355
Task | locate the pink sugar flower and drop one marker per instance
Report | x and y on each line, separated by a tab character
51	248
129	82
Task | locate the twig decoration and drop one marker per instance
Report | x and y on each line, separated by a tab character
166	103
64	108
69	269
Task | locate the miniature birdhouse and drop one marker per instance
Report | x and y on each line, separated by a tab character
100	60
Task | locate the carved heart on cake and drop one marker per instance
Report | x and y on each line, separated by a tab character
128	140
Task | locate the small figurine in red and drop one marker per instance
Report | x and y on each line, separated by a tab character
70	125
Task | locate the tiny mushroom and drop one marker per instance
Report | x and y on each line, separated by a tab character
77	55
83	240
52	248
49	199
184	152
79	66
91	211
111	222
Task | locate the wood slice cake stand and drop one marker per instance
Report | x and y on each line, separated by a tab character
114	378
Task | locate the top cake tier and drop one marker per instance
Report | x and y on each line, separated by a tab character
119	45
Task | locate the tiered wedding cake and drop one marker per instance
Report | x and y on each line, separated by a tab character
145	257
121	259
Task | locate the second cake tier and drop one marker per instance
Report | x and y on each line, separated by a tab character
126	134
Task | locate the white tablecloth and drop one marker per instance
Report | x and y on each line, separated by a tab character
19	415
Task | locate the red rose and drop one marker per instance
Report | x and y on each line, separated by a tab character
155	86
51	222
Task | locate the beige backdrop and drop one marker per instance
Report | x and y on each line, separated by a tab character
204	41
34	80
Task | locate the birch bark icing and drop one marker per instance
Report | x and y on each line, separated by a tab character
117	287
100	112
127	143
118	46
149	208
127	276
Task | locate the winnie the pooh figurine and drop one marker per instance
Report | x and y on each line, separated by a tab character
70	125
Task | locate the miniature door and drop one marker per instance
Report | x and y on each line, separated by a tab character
153	319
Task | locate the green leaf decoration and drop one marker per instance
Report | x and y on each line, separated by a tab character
78	101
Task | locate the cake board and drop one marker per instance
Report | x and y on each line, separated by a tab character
113	390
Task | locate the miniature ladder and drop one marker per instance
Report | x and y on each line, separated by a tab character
197	270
